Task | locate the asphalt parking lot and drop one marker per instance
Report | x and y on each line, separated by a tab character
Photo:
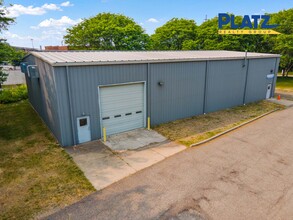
246	174
15	77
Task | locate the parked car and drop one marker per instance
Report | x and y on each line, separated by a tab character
6	66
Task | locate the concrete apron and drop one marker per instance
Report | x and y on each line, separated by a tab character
285	102
134	139
103	166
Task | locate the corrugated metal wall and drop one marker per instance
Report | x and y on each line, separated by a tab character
182	92
84	82
257	82
42	95
64	106
189	88
32	85
277	63
225	84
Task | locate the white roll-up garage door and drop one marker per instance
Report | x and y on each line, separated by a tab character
122	107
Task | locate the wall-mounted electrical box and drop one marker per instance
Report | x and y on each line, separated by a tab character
23	67
32	71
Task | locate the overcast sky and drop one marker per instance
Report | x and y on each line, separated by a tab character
46	21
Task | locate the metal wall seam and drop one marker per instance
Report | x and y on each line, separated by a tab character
58	105
275	78
148	91
246	79
205	87
70	107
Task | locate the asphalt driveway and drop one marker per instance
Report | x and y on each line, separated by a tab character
246	174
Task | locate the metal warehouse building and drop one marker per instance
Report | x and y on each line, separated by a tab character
78	93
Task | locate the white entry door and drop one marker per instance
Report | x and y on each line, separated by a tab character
269	89
83	129
122	107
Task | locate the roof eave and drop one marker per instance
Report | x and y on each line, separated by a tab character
100	63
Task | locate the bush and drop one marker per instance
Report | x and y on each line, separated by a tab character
13	94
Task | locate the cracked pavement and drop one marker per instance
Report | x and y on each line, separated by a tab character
246	174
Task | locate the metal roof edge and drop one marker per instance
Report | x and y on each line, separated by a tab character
103	63
36	54
29	54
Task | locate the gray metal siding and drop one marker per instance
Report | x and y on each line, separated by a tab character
42	95
256	79
182	94
225	84
63	101
276	75
49	98
33	86
84	82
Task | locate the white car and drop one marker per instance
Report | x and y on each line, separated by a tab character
6	67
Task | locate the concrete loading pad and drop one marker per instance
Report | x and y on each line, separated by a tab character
102	166
134	139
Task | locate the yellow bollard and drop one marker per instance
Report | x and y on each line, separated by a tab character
149	123
104	134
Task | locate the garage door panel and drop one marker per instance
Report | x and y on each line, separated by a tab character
117	115
122	107
109	99
122	119
123	123
111	110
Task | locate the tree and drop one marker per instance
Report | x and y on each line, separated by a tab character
4	21
17	57
209	39
173	34
283	43
9	54
3	77
6	52
284	46
107	31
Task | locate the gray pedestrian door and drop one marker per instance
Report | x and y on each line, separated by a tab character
122	107
269	89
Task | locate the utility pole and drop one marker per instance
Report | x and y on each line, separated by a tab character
33	43
206	18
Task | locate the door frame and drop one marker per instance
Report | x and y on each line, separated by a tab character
121	84
88	123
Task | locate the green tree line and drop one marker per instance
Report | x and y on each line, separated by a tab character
7	53
107	31
4	22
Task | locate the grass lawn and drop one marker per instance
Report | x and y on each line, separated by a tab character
285	84
195	129
36	174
